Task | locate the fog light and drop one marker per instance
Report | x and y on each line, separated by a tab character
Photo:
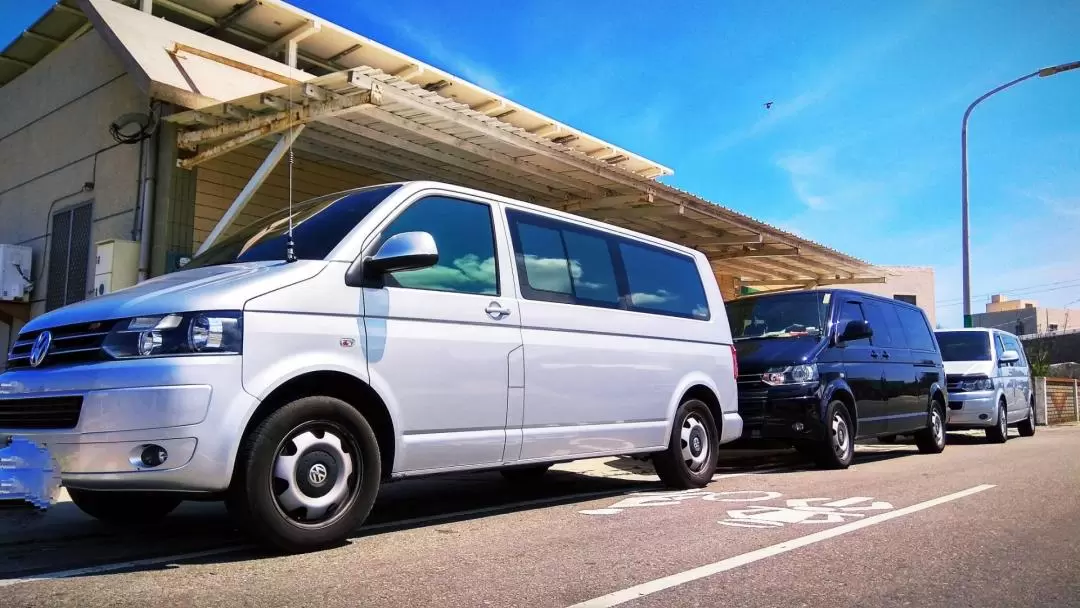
798	426
984	416
153	456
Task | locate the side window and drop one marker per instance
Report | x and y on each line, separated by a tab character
1012	344
884	328
916	330
852	311
560	263
999	346
466	240
663	282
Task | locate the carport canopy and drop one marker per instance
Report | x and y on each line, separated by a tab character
390	127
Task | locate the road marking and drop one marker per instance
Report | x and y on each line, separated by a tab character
170	559
667	582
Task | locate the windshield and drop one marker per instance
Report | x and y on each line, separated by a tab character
319	225
964	345
788	315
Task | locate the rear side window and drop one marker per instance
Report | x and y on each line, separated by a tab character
886	332
663	282
561	263
1011	343
915	328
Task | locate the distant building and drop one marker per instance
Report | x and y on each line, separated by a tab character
1024	317
911	284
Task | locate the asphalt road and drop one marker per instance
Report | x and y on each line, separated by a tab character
978	525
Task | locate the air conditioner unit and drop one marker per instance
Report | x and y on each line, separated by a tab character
16	277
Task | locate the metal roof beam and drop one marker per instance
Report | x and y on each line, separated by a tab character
290	42
758	252
442	157
238	11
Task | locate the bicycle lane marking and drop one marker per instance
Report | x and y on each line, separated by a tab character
667	582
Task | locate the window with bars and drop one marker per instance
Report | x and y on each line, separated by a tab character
69	256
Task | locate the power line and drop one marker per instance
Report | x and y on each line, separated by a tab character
1032	289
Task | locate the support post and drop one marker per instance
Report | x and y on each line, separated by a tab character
1076	399
263	172
1041	400
146	6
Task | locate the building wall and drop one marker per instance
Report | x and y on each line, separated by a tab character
1030	320
998	303
54	139
905	281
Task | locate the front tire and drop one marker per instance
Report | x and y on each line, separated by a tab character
690	459
931	440
307	475
999	433
838	449
1027	426
124	508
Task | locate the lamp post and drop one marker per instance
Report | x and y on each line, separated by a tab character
1043	73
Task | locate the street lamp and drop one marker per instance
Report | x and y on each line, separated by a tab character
1043	73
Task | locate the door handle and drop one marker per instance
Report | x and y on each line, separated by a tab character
873	354
885	354
495	311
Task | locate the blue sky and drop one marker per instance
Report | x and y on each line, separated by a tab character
860	149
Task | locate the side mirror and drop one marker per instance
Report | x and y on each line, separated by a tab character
1009	356
856	330
405	251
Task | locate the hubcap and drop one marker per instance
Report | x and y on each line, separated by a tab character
312	478
840	437
695	443
1003	422
938	427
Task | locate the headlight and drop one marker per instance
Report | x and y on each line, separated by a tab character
795	374
193	333
977	384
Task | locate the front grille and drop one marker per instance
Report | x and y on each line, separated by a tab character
40	413
70	344
753	394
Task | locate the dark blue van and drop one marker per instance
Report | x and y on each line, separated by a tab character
822	368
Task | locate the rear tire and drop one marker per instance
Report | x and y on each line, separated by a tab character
307	475
838	449
124	508
523	475
690	459
1027	426
931	440
999	433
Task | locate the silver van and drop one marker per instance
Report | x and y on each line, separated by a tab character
989	382
393	331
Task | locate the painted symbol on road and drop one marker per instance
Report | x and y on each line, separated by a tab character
793	511
802	511
660	499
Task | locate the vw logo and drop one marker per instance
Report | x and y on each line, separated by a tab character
40	348
317	474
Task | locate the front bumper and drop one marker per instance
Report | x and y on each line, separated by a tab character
781	412
973	409
187	405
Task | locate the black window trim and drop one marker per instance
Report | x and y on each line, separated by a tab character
378	238
514	215
925	323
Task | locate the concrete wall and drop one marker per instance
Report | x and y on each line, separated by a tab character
54	138
908	281
1060	348
1034	320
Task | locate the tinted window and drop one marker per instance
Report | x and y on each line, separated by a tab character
787	315
915	328
663	282
466	241
886	331
852	311
906	299
964	345
592	271
561	262
1011	343
318	226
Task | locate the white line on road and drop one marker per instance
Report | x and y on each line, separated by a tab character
170	559
667	582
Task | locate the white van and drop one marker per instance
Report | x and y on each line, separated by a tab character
415	328
989	382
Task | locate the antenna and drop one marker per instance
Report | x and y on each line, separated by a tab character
290	253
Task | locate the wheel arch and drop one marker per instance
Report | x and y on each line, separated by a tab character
338	385
707	395
840	391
